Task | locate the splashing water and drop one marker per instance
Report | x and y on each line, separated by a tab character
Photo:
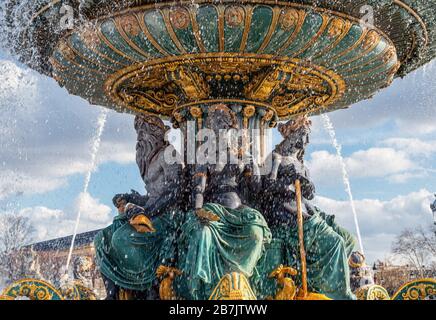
94	150
331	131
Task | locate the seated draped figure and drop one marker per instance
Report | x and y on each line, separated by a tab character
129	251
221	234
327	245
239	222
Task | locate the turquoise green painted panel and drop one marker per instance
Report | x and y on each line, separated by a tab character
260	23
233	37
187	39
81	47
319	45
351	38
310	27
156	26
360	64
142	42
102	47
79	72
278	39
207	18
110	31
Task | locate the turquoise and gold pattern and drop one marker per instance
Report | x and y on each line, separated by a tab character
32	289
296	57
233	286
372	292
157	58
422	289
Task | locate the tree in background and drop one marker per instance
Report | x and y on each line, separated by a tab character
15	259
417	247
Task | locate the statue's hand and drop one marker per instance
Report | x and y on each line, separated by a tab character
292	208
142	224
206	215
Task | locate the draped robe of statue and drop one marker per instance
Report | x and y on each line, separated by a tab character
210	249
327	245
125	256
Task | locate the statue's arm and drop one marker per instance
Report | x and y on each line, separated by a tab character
199	181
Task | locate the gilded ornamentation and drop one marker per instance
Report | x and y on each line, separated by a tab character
371	40
90	38
130	25
196	112
282	87
337	26
157	101
288	19
32	289
180	18
193	84
288	289
234	16
167	274
233	286
389	55
249	111
66	51
372	292
263	85
421	289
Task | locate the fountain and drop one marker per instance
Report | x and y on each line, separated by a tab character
223	219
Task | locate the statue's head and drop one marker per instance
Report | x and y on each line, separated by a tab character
151	133
82	267
296	136
220	117
148	125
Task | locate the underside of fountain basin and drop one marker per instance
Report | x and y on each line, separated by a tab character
292	56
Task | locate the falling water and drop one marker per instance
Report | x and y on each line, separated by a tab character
94	150
331	131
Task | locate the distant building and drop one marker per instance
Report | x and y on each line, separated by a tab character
50	257
392	277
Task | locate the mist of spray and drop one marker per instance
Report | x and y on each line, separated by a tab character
331	131
94	150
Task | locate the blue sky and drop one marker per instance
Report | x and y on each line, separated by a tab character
389	146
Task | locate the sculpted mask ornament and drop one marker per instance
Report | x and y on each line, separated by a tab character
234	16
180	18
130	25
288	19
336	27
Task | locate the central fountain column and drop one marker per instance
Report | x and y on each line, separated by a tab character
250	124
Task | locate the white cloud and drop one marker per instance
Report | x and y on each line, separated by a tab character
378	162
45	133
53	223
374	162
91	209
380	221
412	146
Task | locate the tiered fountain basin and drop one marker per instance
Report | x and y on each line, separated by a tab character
290	57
